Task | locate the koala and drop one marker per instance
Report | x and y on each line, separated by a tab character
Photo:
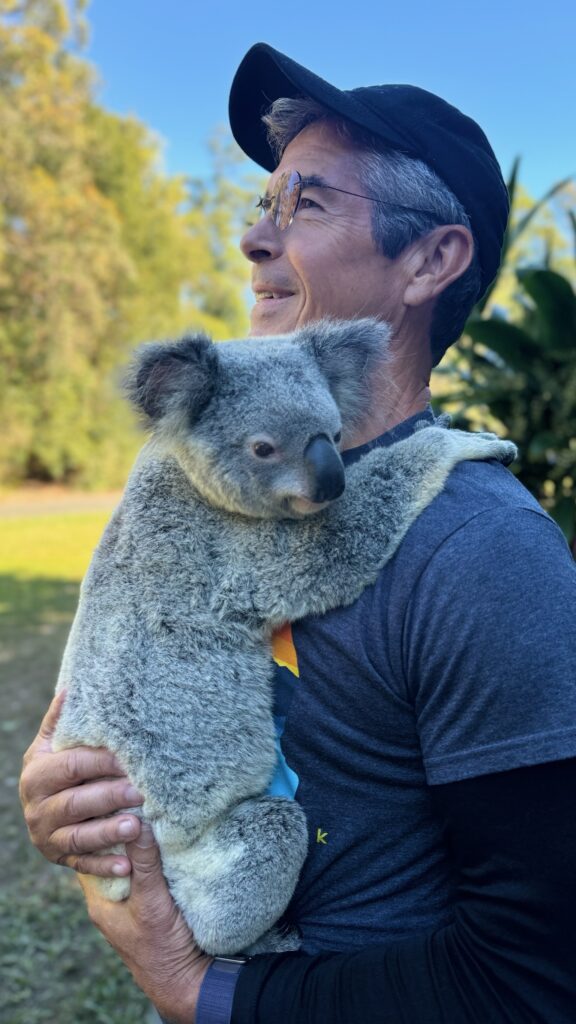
237	518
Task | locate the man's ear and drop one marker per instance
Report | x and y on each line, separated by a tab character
347	351
177	376
436	260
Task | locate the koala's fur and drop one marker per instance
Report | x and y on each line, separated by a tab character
168	663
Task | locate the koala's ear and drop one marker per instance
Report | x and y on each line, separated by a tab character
346	352
178	376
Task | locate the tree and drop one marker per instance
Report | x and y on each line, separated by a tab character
98	250
62	264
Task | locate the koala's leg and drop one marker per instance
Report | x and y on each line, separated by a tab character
235	882
113	889
329	560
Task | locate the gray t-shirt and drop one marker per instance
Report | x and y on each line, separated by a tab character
458	662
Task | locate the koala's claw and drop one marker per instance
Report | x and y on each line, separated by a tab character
484	445
508	453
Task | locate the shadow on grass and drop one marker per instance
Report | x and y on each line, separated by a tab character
55	967
31	602
35	616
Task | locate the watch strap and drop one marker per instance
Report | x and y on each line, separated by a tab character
217	991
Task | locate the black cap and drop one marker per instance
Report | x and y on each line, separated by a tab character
404	117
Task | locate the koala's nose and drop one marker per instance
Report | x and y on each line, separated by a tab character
327	471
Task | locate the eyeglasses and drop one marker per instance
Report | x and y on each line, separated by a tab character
284	202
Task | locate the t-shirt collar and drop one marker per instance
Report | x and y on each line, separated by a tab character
397	433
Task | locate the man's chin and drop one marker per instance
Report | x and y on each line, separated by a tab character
274	316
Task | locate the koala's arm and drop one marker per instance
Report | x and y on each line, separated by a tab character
328	560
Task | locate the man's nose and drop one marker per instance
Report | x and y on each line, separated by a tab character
262	241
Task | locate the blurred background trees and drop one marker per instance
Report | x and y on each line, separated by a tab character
514	369
99	249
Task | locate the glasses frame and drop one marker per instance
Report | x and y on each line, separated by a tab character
291	183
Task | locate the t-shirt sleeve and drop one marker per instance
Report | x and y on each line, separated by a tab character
489	647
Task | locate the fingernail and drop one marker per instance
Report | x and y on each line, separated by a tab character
127	828
133	795
120	869
146	837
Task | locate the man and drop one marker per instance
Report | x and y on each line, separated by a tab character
429	729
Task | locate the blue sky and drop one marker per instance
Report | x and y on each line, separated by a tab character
510	65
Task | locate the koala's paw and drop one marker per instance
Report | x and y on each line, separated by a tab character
282	938
484	445
113	889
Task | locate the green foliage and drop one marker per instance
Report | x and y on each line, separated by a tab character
532	236
514	370
98	250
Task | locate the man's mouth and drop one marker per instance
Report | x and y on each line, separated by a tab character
266	296
271	294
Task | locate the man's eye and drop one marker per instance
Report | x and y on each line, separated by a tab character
264	203
308	204
263	450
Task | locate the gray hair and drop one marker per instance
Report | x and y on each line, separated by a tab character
388	173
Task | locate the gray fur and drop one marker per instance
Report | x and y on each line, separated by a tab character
168	662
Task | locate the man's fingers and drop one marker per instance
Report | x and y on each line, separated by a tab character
103	866
83	820
43	741
82	764
92	800
92	837
50	720
144	854
47	774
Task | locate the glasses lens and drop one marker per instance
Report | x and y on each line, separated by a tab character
286	199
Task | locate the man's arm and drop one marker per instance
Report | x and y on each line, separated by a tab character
150	935
508	956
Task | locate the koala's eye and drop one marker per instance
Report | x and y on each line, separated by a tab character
338	437
263	450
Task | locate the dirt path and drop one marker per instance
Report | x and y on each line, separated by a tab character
49	499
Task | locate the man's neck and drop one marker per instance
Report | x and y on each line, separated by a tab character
389	407
400	388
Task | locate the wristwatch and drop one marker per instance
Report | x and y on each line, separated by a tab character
217	992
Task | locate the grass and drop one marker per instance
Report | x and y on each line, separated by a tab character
55	967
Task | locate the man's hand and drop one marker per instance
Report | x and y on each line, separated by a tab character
66	797
150	935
